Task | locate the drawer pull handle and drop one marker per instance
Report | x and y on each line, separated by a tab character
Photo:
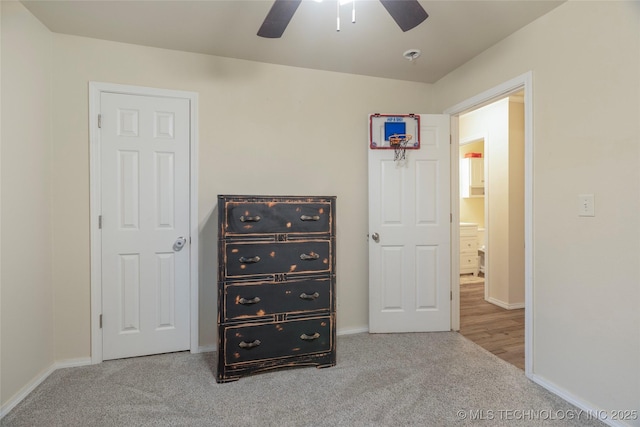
249	345
250	218
249	301
309	257
310	218
310	337
251	260
309	297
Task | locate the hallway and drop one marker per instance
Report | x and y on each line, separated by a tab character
493	328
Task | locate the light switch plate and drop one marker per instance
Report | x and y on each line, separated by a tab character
586	205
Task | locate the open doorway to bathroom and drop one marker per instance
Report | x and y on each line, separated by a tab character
492	276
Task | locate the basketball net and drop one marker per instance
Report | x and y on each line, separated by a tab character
399	144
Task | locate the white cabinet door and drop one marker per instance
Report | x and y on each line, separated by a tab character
471	177
477	172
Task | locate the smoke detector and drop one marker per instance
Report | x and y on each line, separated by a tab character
412	54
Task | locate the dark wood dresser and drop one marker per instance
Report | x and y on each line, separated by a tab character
276	283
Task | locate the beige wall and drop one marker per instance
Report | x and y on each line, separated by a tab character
502	125
264	129
26	245
585	59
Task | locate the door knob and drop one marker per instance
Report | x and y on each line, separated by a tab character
179	244
375	237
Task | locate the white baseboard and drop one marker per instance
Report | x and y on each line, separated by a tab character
24	392
588	408
72	363
207	348
504	304
352	331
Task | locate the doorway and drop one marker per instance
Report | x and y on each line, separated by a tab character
496	294
492	227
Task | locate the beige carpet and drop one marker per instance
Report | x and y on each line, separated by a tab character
434	379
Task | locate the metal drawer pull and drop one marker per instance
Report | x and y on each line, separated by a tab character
311	256
309	297
310	337
249	301
248	345
250	218
310	218
251	260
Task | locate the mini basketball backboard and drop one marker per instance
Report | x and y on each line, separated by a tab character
385	128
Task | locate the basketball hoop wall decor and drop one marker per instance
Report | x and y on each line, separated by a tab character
399	132
399	143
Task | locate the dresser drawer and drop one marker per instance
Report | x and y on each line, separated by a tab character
275	340
259	258
468	244
264	299
468	262
277	217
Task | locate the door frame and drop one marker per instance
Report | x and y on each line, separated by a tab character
522	82
95	89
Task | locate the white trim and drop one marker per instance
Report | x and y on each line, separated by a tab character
363	329
195	228
39	379
517	83
471	139
598	413
95	208
24	391
491	95
73	363
503	304
95	88
207	348
454	180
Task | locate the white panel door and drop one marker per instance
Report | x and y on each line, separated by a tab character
409	216
145	211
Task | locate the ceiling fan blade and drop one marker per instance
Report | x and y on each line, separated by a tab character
407	13
278	18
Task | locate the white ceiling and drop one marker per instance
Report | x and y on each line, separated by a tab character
455	31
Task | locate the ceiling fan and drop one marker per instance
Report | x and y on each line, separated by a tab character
407	14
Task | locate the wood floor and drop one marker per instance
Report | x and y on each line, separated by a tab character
493	328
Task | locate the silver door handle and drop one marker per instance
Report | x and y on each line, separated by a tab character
179	244
376	237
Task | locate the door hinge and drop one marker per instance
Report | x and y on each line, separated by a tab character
451	218
450	295
101	321
100	222
450	139
99	121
